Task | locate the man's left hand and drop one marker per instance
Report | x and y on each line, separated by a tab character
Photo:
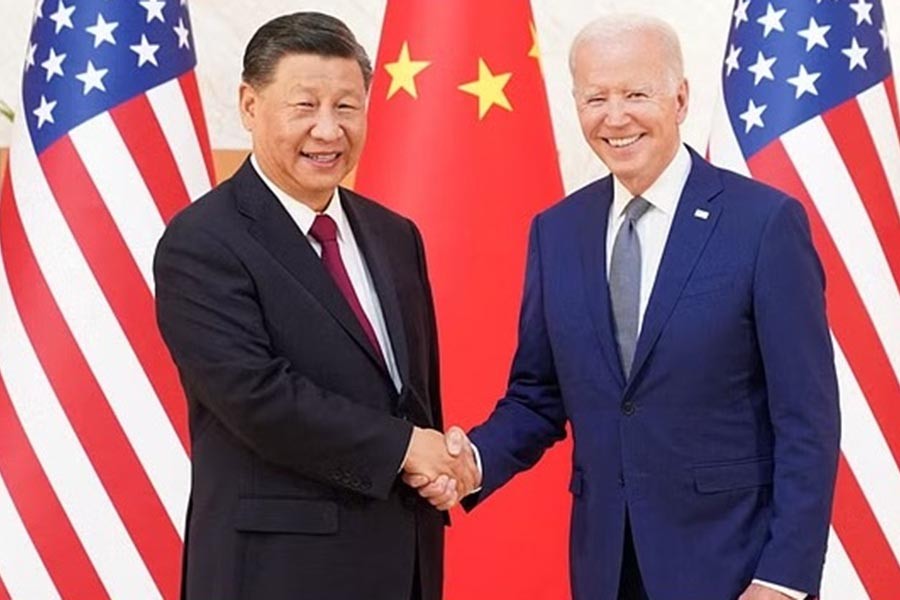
760	592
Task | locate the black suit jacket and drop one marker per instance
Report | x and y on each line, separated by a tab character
297	430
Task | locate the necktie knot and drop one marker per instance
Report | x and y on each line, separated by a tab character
636	208
323	229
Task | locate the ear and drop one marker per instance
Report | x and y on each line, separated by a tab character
681	98
247	103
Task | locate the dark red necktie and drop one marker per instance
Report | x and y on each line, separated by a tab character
324	230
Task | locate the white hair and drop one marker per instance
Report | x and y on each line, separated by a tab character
610	28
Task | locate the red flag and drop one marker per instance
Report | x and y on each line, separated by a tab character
108	143
460	140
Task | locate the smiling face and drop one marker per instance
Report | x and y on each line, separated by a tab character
630	103
308	124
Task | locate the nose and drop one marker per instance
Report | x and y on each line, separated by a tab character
617	113
327	127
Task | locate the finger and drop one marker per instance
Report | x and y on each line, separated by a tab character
440	495
435	489
436	497
447	501
415	480
447	506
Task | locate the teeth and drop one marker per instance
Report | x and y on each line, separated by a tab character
622	142
323	158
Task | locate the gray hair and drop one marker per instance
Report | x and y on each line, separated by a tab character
300	33
610	27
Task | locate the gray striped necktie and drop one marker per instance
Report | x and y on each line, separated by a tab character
625	281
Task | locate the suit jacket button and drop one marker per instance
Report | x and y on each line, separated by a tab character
628	408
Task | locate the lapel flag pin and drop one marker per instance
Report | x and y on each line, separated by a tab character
701	214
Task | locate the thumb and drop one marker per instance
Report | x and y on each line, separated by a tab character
456	441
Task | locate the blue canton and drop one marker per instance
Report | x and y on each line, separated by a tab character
790	60
85	57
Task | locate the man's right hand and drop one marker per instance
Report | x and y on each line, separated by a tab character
446	488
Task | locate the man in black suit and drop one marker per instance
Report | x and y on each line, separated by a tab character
301	320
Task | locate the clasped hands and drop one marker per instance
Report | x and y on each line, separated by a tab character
441	466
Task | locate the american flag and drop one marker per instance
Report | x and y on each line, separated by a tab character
108	143
810	107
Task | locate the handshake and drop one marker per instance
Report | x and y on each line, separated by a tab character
441	466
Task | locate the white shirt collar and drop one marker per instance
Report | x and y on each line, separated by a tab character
663	193
302	214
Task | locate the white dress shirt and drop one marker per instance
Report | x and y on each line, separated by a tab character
652	228
353	259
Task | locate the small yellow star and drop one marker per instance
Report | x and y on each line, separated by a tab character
489	89
403	73
535	51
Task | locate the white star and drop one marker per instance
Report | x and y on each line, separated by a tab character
856	54
762	68
44	112
154	9
29	56
863	12
102	31
814	34
731	61
740	13
63	16
53	64
92	78
771	21
146	52
805	82
883	32
182	32
752	117
38	10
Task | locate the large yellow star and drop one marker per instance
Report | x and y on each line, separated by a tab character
489	89
535	51
403	73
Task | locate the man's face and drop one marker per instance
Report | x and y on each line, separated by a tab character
308	124
628	106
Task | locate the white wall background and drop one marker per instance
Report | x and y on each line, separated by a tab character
224	26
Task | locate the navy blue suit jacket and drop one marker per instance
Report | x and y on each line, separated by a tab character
722	447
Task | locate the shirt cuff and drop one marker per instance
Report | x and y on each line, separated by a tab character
796	595
408	448
477	464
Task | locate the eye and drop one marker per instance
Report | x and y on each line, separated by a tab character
305	104
638	95
596	100
347	106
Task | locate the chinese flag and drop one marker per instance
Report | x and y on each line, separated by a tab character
460	140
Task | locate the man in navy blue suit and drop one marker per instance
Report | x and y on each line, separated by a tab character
674	315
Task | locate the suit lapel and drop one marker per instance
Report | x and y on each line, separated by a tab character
371	244
592	234
687	238
274	229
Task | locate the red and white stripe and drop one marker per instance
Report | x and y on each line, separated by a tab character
94	463
844	166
